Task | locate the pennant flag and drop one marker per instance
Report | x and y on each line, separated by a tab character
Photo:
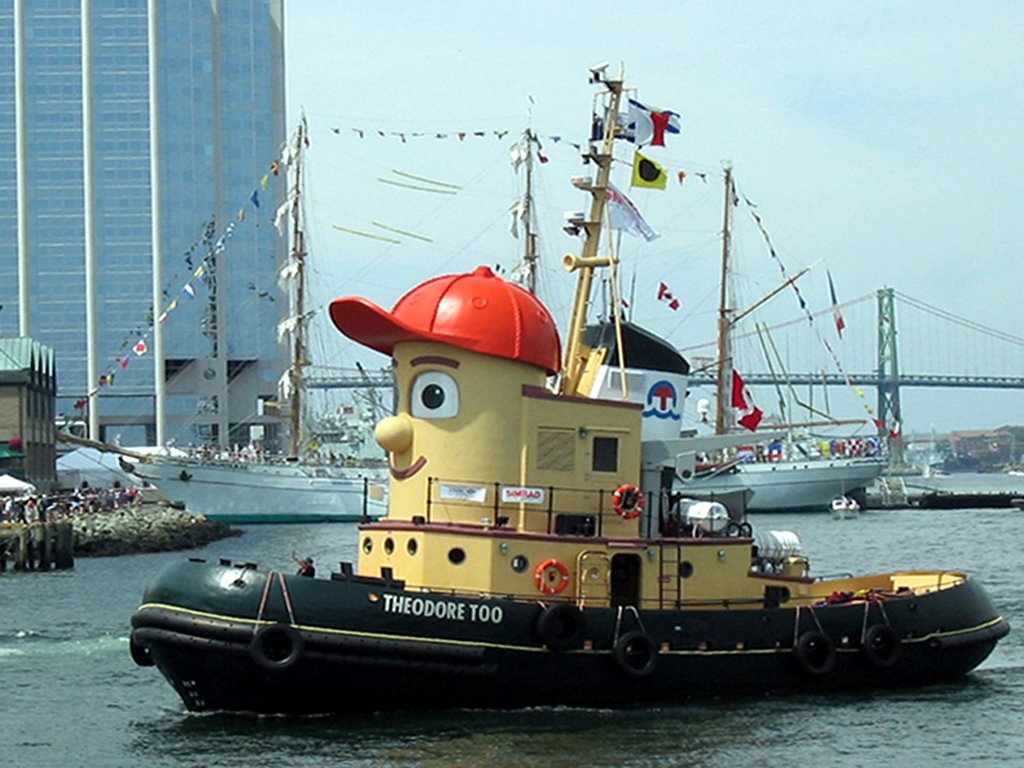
254	198
647	173
124	363
743	402
626	217
648	125
188	290
140	347
840	323
665	295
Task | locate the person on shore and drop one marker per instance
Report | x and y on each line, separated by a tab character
306	567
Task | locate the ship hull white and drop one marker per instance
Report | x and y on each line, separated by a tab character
791	486
269	493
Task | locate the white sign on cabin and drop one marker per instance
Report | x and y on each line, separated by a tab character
476	493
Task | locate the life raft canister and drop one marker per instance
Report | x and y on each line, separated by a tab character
628	501
551	576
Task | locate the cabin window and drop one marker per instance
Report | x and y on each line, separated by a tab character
412	546
456	555
556	449
606	454
520	563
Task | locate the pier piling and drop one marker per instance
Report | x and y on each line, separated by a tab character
37	546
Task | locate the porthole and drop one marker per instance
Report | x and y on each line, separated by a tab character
412	547
389	545
456	555
367	545
685	569
520	563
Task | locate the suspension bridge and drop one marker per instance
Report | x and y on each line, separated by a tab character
891	342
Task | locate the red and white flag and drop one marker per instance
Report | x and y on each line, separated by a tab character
840	323
140	347
744	403
626	217
664	294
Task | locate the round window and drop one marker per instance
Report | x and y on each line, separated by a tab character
520	563
412	546
389	545
456	555
367	545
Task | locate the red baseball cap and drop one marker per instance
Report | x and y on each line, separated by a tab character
478	311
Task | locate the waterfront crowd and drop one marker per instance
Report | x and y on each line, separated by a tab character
32	508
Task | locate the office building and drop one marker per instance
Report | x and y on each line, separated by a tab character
76	140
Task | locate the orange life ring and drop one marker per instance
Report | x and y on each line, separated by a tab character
628	501
551	576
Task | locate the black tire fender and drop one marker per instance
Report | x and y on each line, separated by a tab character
881	647
815	653
561	627
277	646
636	653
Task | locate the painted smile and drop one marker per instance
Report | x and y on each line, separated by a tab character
412	469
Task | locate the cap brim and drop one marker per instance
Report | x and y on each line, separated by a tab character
372	326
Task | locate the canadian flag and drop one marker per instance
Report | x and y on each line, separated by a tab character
664	294
743	402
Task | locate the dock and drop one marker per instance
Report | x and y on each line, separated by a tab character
37	546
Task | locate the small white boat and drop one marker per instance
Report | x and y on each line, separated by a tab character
844	508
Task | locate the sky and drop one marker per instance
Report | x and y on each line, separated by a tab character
881	143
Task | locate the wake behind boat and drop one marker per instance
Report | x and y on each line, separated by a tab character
535	552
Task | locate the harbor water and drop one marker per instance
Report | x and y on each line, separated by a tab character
71	694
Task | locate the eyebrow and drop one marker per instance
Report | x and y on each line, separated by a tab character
430	360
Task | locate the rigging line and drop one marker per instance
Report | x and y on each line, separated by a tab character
366	234
425	179
413	186
947	315
784	324
402	232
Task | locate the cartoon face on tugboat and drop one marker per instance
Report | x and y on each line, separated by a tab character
535	551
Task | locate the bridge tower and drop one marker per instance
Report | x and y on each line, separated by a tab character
889	374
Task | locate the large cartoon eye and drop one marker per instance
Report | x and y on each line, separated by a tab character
435	395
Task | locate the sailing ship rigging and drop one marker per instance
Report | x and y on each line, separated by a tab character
259	488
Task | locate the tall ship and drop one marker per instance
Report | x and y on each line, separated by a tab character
249	486
536	550
781	473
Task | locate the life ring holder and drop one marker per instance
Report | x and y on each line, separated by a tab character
881	646
815	653
551	576
561	627
276	646
635	653
628	501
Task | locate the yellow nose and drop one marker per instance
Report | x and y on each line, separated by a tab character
394	433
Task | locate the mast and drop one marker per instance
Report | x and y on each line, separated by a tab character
575	358
299	306
723	413
530	257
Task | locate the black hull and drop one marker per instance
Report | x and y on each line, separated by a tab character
359	645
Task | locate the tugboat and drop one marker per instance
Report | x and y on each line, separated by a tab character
535	551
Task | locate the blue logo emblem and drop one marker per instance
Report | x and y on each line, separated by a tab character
662	400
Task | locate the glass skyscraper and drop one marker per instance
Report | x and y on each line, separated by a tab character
220	97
